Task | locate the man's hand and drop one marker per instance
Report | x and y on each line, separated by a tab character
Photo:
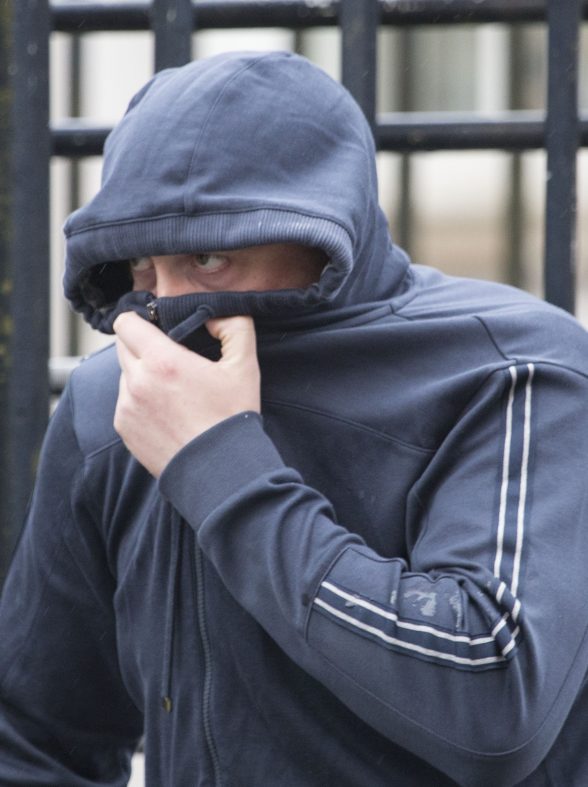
169	395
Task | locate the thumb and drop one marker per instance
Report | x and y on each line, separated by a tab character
236	335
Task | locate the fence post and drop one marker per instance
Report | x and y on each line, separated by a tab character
561	141
172	22
24	256
359	26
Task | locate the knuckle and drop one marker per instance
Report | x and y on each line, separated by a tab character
166	368
162	365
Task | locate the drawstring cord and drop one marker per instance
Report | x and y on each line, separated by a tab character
177	530
191	324
150	308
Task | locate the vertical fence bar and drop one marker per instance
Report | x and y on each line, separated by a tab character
406	103
24	257
514	219
561	140
6	101
76	66
359	25
172	22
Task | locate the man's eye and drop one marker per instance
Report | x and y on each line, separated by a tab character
209	262
141	264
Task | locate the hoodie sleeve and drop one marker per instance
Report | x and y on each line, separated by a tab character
65	718
470	653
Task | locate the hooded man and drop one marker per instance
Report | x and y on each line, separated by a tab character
319	518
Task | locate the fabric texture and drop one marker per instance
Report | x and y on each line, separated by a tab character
380	580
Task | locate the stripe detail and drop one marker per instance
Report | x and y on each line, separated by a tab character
505	472
403	624
432	642
435	654
515	468
523	484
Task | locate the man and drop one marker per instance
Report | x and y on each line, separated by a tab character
336	535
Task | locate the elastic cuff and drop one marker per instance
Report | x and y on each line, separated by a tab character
217	464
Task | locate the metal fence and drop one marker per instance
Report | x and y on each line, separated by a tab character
27	143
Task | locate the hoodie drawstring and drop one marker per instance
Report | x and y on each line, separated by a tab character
191	324
176	530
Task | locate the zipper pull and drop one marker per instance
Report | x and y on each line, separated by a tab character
152	311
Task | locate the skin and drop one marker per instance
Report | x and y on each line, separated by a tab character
155	371
277	266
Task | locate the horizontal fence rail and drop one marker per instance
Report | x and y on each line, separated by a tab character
512	131
403	132
76	17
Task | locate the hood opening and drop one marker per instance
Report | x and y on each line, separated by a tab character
238	150
102	290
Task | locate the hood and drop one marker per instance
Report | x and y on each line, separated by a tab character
238	150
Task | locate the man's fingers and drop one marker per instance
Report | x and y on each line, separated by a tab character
178	393
137	334
137	339
125	356
236	335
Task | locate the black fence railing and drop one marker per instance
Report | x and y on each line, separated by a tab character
398	132
69	16
27	142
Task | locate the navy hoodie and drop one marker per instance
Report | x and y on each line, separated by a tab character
379	581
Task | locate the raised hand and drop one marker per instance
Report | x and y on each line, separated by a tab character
169	395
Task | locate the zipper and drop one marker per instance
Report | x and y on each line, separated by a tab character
207	654
152	311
